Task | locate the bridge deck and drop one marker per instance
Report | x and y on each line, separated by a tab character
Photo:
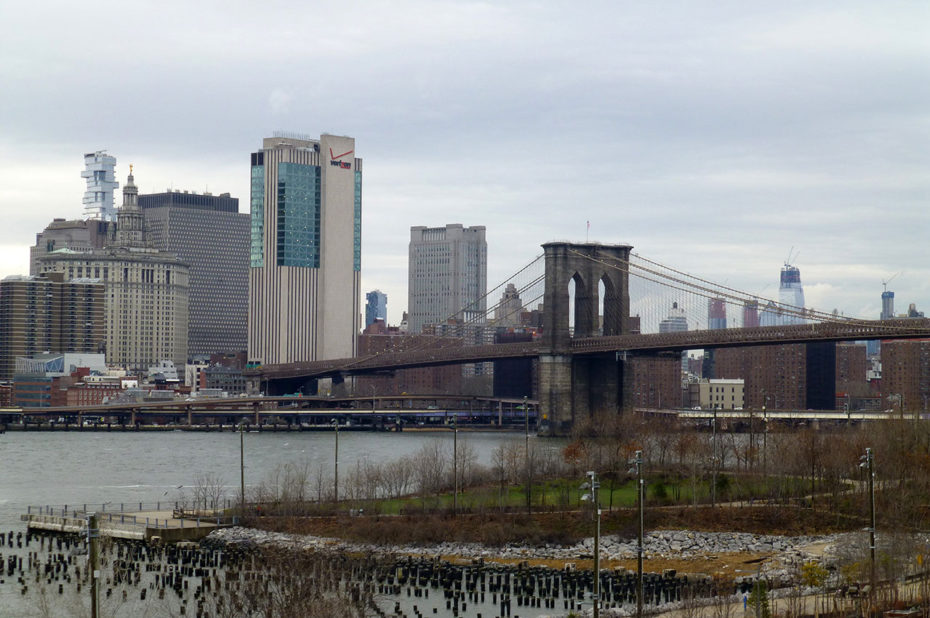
644	343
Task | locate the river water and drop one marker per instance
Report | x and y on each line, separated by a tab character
76	468
92	468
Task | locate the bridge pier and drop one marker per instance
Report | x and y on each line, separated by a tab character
555	394
573	389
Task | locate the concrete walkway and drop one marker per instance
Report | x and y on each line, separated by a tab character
168	526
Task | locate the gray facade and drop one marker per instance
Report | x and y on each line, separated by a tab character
447	275
208	233
79	236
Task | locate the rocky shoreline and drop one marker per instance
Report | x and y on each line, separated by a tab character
784	554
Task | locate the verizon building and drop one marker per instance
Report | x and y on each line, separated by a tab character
305	256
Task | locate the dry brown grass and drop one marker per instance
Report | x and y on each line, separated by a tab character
561	528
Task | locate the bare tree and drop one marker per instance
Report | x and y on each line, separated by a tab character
208	491
430	465
397	477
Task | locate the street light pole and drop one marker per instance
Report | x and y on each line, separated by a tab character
336	465
868	461
765	445
641	500
594	486
526	435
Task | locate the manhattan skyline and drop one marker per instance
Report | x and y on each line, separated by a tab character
712	137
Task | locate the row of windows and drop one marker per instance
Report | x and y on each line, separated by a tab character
257	203
357	223
298	215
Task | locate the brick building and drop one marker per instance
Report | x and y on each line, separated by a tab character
774	375
906	374
423	381
657	382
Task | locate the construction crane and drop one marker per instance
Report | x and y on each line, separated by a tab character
885	282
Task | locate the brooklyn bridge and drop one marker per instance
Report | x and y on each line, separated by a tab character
600	305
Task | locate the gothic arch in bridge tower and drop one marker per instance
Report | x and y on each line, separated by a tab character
574	387
587	265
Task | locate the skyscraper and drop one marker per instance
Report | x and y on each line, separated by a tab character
716	313
305	257
676	322
211	236
750	314
101	183
791	295
509	311
887	305
447	275
375	307
770	315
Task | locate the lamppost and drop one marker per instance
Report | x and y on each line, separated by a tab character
526	435
868	461
594	485
637	462
765	444
335	423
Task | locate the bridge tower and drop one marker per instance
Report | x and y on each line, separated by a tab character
573	388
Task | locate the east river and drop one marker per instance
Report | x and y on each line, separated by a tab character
76	468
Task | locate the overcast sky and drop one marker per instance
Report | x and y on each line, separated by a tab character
711	136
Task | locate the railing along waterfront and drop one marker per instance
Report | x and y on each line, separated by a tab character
137	514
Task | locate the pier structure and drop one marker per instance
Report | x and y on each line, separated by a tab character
165	522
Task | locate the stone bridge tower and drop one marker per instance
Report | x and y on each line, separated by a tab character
572	388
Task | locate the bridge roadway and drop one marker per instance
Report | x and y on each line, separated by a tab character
857	330
287	409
